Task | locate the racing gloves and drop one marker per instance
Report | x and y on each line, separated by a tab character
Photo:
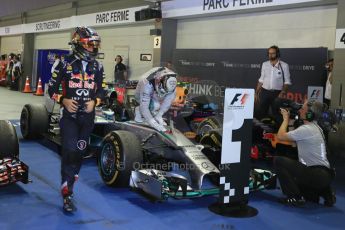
154	124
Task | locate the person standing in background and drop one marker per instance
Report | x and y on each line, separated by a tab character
56	63
9	70
120	71
63	59
328	87
273	83
16	73
3	67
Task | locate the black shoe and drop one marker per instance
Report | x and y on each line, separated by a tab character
68	205
329	196
292	201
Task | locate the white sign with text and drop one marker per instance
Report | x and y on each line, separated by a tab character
179	8
114	17
238	106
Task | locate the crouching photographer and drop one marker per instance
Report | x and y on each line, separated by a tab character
310	177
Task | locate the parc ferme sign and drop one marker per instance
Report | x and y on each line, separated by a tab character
236	145
114	17
179	8
170	9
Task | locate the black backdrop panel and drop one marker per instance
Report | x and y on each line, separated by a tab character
240	68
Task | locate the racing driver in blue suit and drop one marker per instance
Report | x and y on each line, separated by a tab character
81	79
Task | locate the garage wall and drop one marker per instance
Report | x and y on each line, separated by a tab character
11	44
138	41
58	40
303	27
136	38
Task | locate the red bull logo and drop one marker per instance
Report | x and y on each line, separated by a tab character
88	85
76	76
89	77
82	84
74	85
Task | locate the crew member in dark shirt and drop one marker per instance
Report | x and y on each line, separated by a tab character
120	72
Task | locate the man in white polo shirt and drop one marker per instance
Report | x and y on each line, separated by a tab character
273	82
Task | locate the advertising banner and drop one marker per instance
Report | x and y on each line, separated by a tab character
210	71
45	61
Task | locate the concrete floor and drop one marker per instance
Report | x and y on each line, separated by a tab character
12	102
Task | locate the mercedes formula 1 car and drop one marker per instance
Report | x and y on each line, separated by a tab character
129	153
11	168
134	154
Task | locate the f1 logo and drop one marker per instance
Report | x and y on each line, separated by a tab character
315	93
236	98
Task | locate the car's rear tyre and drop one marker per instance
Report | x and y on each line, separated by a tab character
9	146
34	121
120	155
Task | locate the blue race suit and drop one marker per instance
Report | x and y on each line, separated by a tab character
82	82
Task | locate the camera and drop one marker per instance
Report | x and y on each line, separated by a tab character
326	120
291	106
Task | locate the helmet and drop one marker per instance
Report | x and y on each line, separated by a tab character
85	43
166	83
